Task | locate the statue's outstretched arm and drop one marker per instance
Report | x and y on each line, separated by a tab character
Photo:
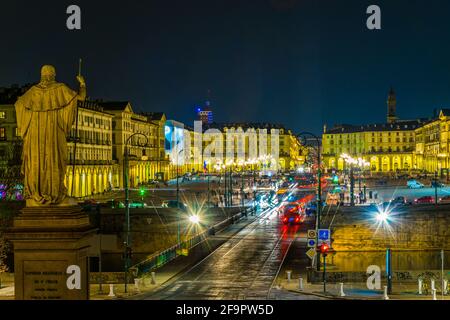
82	91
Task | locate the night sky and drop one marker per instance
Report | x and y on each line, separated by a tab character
301	63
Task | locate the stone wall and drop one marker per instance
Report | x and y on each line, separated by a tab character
418	227
397	276
151	231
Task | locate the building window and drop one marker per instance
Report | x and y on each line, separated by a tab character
2	115
2	134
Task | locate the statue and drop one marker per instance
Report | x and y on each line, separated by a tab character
45	115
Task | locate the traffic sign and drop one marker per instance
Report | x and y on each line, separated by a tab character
320	242
311	243
311	253
311	234
324	234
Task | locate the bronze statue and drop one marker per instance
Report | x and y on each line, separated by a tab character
45	115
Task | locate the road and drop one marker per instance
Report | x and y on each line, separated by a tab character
387	193
244	267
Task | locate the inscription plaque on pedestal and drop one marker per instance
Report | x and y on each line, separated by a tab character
44	280
43	258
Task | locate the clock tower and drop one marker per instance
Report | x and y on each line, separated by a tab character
392	105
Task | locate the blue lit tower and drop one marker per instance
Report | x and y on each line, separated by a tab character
205	115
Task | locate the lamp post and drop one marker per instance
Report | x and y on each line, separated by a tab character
242	189
352	186
303	136
127	203
360	164
435	188
178	199
254	192
208	191
231	185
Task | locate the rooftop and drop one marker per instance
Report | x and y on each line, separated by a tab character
9	95
243	125
113	105
400	125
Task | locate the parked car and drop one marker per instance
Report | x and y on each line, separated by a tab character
400	200
424	199
414	184
445	199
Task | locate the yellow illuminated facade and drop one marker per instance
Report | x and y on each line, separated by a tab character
90	149
259	139
395	146
432	147
145	156
387	147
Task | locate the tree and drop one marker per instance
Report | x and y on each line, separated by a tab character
10	167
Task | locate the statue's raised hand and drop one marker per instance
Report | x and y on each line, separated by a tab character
81	81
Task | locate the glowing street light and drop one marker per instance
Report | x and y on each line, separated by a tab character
194	219
382	216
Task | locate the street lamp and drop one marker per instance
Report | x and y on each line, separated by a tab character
360	164
178	198
127	254
194	219
303	136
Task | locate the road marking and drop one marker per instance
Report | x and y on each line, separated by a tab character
175	287
203	289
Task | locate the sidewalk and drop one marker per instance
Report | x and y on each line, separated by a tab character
357	291
171	270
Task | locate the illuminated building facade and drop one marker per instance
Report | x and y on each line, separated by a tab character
396	146
146	159
432	144
388	147
262	143
91	168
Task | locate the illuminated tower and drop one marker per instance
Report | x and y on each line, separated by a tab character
392	105
206	115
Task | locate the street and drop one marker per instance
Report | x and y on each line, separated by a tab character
245	267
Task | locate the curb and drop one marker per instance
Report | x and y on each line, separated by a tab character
326	296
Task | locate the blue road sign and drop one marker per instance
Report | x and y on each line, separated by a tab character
311	243
324	234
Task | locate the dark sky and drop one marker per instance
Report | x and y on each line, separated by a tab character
302	63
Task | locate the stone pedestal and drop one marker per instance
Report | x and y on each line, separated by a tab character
50	253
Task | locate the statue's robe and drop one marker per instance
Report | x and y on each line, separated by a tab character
45	116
